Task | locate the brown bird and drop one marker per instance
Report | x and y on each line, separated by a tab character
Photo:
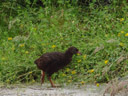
52	62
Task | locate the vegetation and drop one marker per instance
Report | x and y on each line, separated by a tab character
98	30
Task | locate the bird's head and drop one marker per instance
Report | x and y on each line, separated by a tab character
73	50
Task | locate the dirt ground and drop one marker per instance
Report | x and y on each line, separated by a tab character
47	90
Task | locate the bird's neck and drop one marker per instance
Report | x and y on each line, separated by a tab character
68	54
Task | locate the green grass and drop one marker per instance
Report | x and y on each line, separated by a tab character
96	33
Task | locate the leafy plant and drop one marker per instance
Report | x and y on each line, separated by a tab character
27	32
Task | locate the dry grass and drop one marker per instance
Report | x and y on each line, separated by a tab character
98	49
117	87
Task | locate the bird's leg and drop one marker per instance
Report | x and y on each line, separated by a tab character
49	77
42	77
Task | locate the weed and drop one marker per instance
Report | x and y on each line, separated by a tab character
101	34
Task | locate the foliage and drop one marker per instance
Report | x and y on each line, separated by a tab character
100	33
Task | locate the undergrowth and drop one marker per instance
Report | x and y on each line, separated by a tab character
100	33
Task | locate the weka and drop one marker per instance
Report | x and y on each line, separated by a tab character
52	62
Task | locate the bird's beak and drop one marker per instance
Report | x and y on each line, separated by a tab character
79	53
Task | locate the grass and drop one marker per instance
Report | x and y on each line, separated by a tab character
100	34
